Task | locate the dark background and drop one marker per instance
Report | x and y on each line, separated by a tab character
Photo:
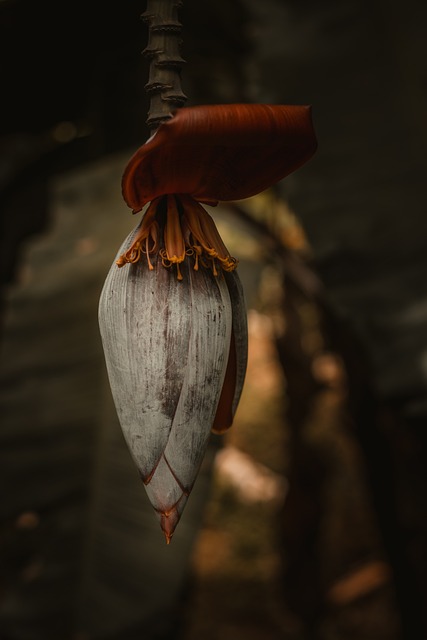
72	81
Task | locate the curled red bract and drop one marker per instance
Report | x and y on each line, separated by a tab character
220	152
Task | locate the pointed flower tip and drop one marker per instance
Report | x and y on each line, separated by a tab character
220	152
168	523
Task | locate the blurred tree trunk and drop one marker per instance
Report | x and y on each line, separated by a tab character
362	203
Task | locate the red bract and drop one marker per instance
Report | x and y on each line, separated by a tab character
220	152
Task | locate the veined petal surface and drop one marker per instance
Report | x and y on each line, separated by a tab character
145	337
238	357
220	152
166	345
240	333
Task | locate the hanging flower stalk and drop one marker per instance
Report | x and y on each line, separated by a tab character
172	312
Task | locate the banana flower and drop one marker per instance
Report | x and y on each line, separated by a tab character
172	313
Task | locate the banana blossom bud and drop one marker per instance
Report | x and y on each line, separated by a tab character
172	313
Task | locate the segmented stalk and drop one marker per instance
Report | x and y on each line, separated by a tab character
163	51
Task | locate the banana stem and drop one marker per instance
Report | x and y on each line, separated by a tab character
163	52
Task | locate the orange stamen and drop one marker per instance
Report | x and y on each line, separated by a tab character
174	241
190	233
148	229
203	229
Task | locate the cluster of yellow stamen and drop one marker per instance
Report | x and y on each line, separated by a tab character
188	231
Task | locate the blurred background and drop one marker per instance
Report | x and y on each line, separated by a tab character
308	519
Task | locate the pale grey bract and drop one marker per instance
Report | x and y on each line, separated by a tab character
166	344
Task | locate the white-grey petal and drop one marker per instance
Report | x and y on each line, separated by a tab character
145	337
240	331
166	345
211	322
